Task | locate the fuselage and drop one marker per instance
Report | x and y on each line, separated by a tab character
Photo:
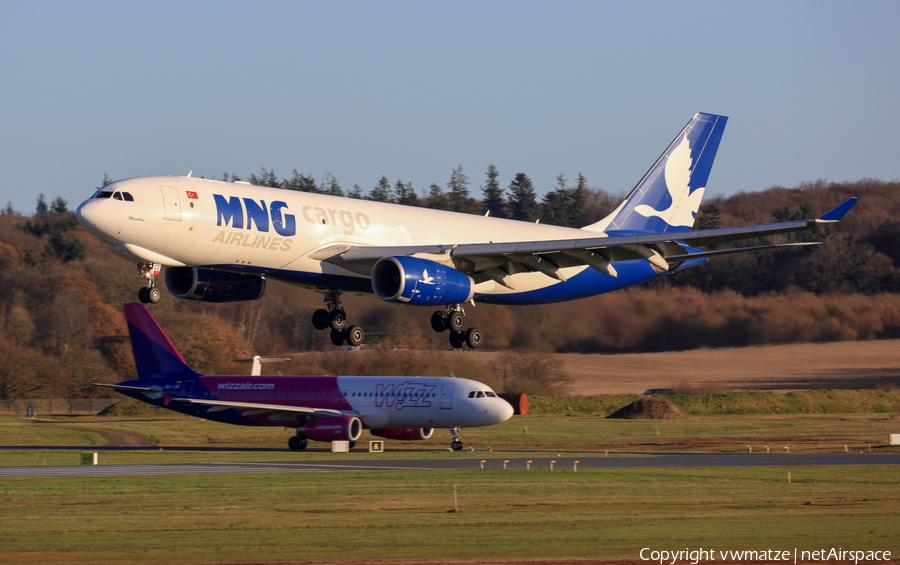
379	402
283	235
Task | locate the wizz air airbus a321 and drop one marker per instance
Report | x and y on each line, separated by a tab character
221	241
321	408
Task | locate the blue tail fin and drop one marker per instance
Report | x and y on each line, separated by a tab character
668	197
153	351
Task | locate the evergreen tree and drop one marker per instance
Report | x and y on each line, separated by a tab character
459	190
330	186
356	193
266	178
708	218
382	191
555	210
436	199
59	205
41	205
300	183
8	211
522	203
578	204
406	194
493	194
106	181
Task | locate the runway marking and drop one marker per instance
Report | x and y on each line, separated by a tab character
662	460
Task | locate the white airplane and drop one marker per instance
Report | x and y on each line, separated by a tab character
221	241
320	408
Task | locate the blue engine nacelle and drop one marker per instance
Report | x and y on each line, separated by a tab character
419	281
206	285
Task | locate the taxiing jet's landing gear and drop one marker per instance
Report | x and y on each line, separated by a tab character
454	319
336	318
297	443
149	293
457	443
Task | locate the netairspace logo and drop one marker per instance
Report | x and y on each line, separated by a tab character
695	556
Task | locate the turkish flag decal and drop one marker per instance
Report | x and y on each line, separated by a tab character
191	194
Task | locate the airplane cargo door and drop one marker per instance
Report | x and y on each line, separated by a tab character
447	396
172	202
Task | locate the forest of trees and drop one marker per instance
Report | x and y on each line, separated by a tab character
61	291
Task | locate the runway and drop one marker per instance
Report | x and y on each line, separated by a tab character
451	463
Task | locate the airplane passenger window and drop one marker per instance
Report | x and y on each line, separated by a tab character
103	195
128	197
117	196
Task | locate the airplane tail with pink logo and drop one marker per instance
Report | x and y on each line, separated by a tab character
154	352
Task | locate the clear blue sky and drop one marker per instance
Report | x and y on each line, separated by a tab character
411	90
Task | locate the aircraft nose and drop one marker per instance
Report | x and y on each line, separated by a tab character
88	213
504	411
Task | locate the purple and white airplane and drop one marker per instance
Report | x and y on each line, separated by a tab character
320	408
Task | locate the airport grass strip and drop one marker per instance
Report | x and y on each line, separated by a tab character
828	401
406	515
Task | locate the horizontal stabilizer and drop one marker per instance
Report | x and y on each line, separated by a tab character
837	213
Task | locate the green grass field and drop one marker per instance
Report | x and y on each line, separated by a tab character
513	515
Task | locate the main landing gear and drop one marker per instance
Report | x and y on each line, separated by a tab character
457	443
149	293
336	318
454	319
297	443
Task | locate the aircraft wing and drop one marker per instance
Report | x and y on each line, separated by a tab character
254	408
121	387
662	250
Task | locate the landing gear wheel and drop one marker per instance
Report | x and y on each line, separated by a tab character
153	295
455	321
456	445
352	444
337	337
297	443
337	319
474	338
355	336
439	321
457	339
143	295
320	319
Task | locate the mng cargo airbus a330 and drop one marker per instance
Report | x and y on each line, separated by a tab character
221	242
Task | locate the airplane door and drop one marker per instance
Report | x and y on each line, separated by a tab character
447	396
187	387
172	203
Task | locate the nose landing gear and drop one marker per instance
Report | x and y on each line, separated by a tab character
149	294
336	318
457	443
454	319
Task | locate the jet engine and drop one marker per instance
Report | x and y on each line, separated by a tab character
207	285
332	428
418	281
405	434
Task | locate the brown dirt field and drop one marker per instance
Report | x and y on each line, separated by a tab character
803	366
845	365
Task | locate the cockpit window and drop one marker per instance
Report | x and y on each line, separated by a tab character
117	196
128	197
491	394
104	194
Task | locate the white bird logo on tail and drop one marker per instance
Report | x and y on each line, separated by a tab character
684	202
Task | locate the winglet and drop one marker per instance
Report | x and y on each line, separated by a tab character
837	214
153	351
